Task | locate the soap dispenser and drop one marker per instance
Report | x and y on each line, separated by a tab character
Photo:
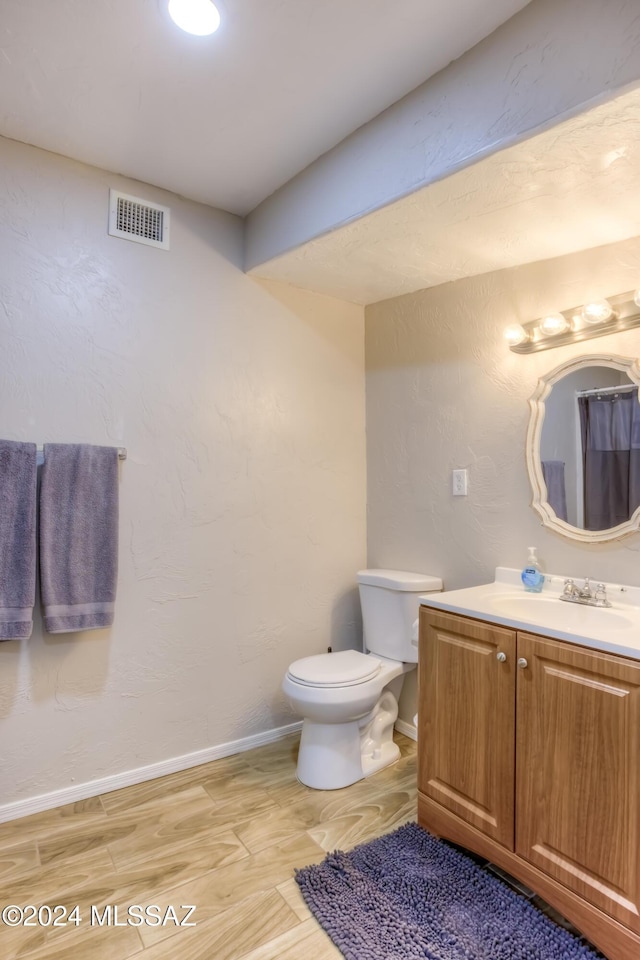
532	575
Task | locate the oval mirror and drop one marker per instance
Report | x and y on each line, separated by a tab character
583	448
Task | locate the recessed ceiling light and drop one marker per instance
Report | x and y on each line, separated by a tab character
199	17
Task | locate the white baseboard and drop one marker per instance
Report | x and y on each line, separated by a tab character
93	788
408	729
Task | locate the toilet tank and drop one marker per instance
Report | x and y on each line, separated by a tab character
390	604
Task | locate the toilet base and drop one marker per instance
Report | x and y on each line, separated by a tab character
329	756
388	754
335	755
377	747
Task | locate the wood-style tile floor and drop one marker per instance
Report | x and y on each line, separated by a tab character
225	837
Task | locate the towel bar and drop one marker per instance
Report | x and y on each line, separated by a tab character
122	453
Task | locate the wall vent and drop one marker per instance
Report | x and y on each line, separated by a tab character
138	220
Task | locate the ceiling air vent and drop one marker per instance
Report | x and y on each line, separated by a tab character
138	220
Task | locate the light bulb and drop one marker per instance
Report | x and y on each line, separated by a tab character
597	312
199	17
553	324
515	334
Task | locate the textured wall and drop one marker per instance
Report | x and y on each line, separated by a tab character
444	391
548	61
242	499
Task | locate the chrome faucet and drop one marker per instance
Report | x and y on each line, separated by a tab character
600	596
574	594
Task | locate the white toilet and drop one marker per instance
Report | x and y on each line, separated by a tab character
349	700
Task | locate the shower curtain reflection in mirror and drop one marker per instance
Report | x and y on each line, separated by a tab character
583	448
610	435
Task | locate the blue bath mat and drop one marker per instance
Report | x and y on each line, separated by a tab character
408	896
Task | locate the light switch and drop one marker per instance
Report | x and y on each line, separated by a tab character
460	483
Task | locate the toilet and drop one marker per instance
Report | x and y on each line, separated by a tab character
349	700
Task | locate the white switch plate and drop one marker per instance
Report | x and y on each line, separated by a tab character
460	483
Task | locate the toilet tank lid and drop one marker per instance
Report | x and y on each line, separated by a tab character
400	580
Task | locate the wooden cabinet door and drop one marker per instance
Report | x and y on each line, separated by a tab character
578	793
466	720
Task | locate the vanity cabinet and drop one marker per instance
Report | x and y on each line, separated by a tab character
529	754
467	721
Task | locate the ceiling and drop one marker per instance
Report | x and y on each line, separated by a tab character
570	188
226	119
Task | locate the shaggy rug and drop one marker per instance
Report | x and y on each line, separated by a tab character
408	896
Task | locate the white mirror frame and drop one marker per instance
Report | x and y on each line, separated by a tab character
534	433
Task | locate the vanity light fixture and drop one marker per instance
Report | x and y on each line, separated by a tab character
553	324
597	312
594	319
515	334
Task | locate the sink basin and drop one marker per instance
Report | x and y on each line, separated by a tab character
504	602
558	612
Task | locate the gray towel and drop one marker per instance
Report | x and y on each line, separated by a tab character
553	473
17	538
78	536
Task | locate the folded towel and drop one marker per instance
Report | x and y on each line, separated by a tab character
17	538
78	536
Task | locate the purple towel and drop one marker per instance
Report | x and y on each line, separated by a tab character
17	538
553	475
78	536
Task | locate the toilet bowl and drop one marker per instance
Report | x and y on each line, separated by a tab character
349	699
347	733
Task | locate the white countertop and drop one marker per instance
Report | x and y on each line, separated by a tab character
614	629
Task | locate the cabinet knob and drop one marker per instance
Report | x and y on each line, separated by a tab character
522	663
502	657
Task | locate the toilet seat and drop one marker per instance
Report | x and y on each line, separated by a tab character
346	668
